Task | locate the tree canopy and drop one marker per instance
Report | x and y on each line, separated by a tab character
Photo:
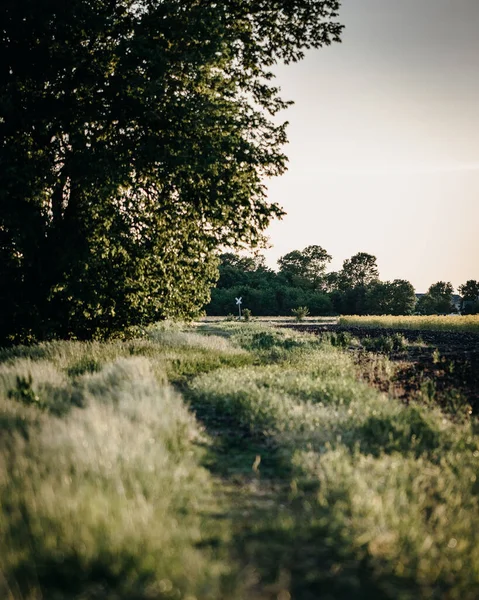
470	290
391	298
470	296
305	266
437	299
301	281
359	270
135	137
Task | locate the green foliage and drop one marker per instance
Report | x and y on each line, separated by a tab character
272	298
470	297
300	313
350	289
246	314
301	281
339	339
470	290
395	342
135	138
24	392
264	291
391	298
305	267
237	271
359	271
263	337
437	300
471	308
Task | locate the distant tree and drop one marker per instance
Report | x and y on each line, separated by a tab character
243	263
301	281
359	270
264	291
377	298
401	297
305	267
469	290
350	301
391	298
235	270
469	297
437	300
331	281
319	303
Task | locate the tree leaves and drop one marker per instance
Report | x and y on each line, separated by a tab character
134	140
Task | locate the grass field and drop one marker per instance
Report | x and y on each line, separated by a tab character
235	461
468	323
272	320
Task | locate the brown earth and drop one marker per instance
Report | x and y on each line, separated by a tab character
437	366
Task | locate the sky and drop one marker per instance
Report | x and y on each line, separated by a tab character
384	142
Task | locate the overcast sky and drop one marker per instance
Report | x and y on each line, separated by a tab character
384	142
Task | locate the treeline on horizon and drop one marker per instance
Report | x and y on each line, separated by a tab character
302	281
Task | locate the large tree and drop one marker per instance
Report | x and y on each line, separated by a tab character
135	137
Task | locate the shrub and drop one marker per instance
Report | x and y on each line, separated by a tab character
340	339
385	343
301	312
246	314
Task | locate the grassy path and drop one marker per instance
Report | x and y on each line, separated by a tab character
275	473
357	494
252	487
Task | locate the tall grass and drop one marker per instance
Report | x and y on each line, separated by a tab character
102	494
101	491
411	521
396	511
466	323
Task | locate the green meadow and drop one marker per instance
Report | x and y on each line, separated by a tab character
230	461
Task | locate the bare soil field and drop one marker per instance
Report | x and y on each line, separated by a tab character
442	366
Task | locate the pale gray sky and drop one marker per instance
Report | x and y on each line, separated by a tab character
384	142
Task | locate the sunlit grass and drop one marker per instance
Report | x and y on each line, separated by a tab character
106	501
396	509
411	522
466	323
102	494
101	491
